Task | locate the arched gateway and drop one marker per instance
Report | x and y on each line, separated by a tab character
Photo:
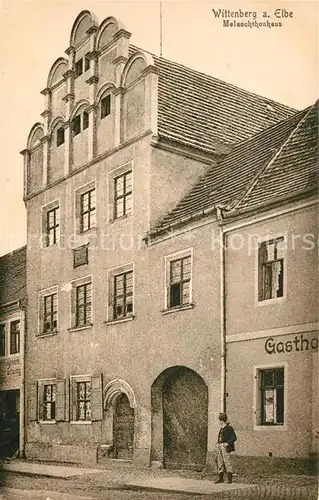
179	418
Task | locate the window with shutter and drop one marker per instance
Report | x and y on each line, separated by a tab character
60	401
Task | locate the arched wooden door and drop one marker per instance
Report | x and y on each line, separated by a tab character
123	428
185	414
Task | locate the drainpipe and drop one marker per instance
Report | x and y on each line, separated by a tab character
222	310
22	385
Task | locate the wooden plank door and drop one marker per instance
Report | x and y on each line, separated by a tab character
123	428
185	409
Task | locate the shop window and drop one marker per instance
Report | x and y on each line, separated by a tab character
123	195
105	106
14	337
271	269
271	382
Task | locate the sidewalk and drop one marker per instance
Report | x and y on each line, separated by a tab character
170	481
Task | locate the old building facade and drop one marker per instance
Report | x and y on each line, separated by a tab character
12	340
124	351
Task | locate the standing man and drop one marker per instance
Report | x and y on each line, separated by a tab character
225	445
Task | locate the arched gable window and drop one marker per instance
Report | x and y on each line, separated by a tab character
80	121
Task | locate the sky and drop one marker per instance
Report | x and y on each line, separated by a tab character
279	63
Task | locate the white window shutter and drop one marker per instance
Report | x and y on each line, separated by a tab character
96	398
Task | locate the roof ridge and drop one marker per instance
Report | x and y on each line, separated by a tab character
256	178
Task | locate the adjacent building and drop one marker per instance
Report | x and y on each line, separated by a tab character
12	336
137	168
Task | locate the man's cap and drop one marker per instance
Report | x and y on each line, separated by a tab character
223	417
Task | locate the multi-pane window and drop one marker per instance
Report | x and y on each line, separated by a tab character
60	136
271	269
123	195
82	65
83	400
53	226
50	313
179	282
83	303
105	106
14	337
123	295
87	211
80	122
272	396
49	392
2	340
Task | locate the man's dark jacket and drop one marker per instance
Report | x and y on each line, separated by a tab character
227	435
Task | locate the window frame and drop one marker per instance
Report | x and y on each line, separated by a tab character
60	136
259	278
85	280
111	298
55	228
78	192
124	297
53	313
114	174
16	334
86	307
43	401
168	260
74	380
45	209
42	294
105	106
257	396
89	211
124	196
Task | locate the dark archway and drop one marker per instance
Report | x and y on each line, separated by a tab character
179	419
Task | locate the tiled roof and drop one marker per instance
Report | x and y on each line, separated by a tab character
292	172
198	110
227	181
13	276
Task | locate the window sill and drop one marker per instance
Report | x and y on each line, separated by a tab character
81	422
92	230
79	328
120	320
47	422
270	302
177	308
274	428
123	217
49	334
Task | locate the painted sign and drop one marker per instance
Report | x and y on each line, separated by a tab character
299	343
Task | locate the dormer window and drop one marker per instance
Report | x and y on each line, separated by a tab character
105	106
80	122
82	65
60	136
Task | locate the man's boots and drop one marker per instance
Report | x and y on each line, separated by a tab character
229	477
220	478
